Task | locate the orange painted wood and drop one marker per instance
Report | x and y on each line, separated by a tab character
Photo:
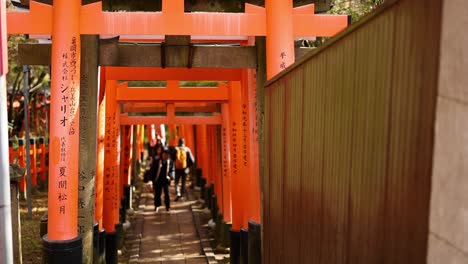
37	21
125	156
123	142
102	82
11	154
279	40
305	9
254	209
64	117
171	94
173	21
189	137
181	127
42	161
22	164
321	25
3	39
138	138
226	163
246	155
99	181
209	156
33	154
213	158
141	142
217	168
183	74
201	148
130	160
111	160
148	120
173	136
150	134
238	186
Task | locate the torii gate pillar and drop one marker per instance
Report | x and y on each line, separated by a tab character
6	237
280	36
62	244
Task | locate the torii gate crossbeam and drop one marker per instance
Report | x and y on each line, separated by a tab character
173	21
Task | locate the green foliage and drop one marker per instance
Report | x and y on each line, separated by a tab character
356	8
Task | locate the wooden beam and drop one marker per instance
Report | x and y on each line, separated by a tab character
180	120
182	94
181	53
182	74
144	55
34	54
134	55
177	56
161	107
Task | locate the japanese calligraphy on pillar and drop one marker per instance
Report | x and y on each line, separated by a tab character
126	154
283	57
225	152
253	94
235	147
245	125
69	94
111	172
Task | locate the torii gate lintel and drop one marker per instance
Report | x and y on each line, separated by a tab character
173	21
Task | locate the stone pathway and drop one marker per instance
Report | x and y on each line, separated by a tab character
164	238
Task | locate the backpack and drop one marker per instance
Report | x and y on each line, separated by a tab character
181	158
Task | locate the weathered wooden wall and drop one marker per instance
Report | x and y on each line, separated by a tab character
349	139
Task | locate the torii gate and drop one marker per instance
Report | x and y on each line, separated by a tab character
238	148
66	20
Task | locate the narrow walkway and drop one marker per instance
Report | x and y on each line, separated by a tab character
162	237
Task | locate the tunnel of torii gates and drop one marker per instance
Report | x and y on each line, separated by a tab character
82	131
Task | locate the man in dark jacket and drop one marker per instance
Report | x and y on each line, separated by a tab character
163	172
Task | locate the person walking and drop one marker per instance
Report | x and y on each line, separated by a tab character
163	172
184	160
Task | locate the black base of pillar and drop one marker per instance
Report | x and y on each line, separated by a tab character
122	211
225	234
244	246
218	228
68	251
198	176
209	194
127	197
203	188
119	233
95	242
102	248
111	248
235	247
214	205
255	242
43	225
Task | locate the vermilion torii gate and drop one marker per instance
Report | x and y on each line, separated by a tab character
66	20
